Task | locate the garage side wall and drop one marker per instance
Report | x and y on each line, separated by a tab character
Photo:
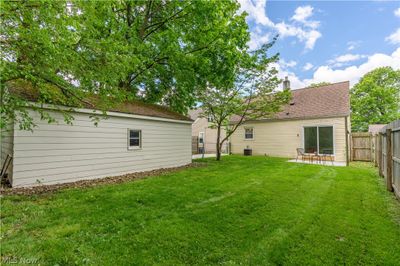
58	153
281	138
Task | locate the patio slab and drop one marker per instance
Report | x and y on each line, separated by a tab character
319	163
207	155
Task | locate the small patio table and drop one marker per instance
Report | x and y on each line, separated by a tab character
327	157
317	158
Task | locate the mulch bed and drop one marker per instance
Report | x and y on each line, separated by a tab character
42	189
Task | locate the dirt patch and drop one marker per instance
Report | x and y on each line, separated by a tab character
42	189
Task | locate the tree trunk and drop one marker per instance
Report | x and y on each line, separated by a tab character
218	140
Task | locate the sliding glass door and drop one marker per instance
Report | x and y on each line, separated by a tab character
318	139
310	139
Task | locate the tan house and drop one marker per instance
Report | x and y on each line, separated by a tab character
317	120
203	135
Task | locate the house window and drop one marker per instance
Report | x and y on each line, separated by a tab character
134	139
210	118
201	138
248	133
318	139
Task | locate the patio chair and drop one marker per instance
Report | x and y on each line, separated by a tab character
327	156
303	155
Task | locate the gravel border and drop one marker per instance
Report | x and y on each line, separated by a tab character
45	189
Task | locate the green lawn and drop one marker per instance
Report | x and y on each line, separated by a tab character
242	210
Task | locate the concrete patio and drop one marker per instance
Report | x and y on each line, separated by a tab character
206	155
327	163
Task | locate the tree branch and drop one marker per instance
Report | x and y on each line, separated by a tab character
162	23
66	91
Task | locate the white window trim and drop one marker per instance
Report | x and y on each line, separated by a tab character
204	138
244	137
140	139
317	126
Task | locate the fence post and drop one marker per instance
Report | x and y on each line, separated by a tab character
389	160
351	146
379	151
374	150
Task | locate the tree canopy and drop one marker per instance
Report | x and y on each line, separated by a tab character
319	84
375	99
156	51
252	96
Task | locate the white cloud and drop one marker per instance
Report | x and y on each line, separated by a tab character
354	73
300	27
283	72
256	11
285	64
394	38
309	37
351	45
302	13
346	58
397	12
308	66
350	73
258	38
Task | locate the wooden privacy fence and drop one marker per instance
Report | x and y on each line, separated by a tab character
195	145
361	146
388	156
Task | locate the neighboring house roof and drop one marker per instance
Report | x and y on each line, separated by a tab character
194	114
375	129
317	102
131	107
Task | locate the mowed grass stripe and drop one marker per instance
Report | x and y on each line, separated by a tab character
242	210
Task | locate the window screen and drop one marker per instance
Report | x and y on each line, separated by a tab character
248	133
325	140
201	137
310	139
134	140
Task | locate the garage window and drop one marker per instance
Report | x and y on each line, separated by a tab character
134	139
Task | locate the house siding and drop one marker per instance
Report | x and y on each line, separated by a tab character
281	138
6	147
58	152
202	125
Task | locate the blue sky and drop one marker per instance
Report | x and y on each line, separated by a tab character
327	40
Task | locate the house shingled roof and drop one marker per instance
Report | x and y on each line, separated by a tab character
195	113
315	102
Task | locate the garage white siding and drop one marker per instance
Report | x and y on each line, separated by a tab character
58	153
6	147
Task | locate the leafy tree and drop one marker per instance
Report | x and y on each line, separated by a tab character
251	97
375	99
155	51
319	84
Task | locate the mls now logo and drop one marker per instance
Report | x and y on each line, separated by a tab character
15	260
